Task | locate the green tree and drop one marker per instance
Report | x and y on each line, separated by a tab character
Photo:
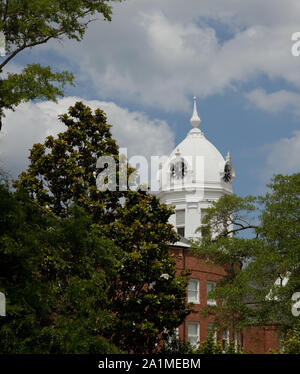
28	23
210	347
148	297
207	347
56	275
263	263
177	347
291	343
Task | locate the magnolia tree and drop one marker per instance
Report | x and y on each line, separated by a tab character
148	297
55	274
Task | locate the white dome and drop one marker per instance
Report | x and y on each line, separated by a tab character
196	145
196	164
194	175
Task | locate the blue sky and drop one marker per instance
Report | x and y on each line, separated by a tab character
145	66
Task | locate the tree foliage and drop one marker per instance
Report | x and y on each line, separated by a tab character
207	347
177	346
35	82
63	171
291	343
263	263
28	23
148	296
56	275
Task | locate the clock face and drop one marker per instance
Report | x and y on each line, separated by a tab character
178	169
227	173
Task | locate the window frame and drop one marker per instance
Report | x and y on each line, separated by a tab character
210	326
181	228
197	291
193	336
208	300
181	219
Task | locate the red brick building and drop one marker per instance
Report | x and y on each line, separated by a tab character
194	175
195	328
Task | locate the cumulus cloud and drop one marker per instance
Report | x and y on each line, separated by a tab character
32	122
275	102
282	156
161	53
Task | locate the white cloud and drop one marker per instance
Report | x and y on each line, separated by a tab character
32	122
161	53
233	12
282	156
275	102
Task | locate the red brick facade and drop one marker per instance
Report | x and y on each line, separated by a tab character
255	340
260	340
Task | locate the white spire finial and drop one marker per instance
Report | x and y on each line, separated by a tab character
195	120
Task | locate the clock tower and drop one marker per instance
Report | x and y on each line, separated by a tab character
191	178
194	175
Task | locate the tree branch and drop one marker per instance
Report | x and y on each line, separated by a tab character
58	33
241	229
24	46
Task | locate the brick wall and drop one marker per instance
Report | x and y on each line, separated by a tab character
260	340
255	340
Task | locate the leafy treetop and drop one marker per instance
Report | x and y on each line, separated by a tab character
149	295
262	264
28	23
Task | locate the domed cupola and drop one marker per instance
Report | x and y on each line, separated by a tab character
194	174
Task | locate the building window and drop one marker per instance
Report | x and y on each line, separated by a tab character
180	222
193	291
210	286
211	331
180	231
225	338
194	333
203	214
